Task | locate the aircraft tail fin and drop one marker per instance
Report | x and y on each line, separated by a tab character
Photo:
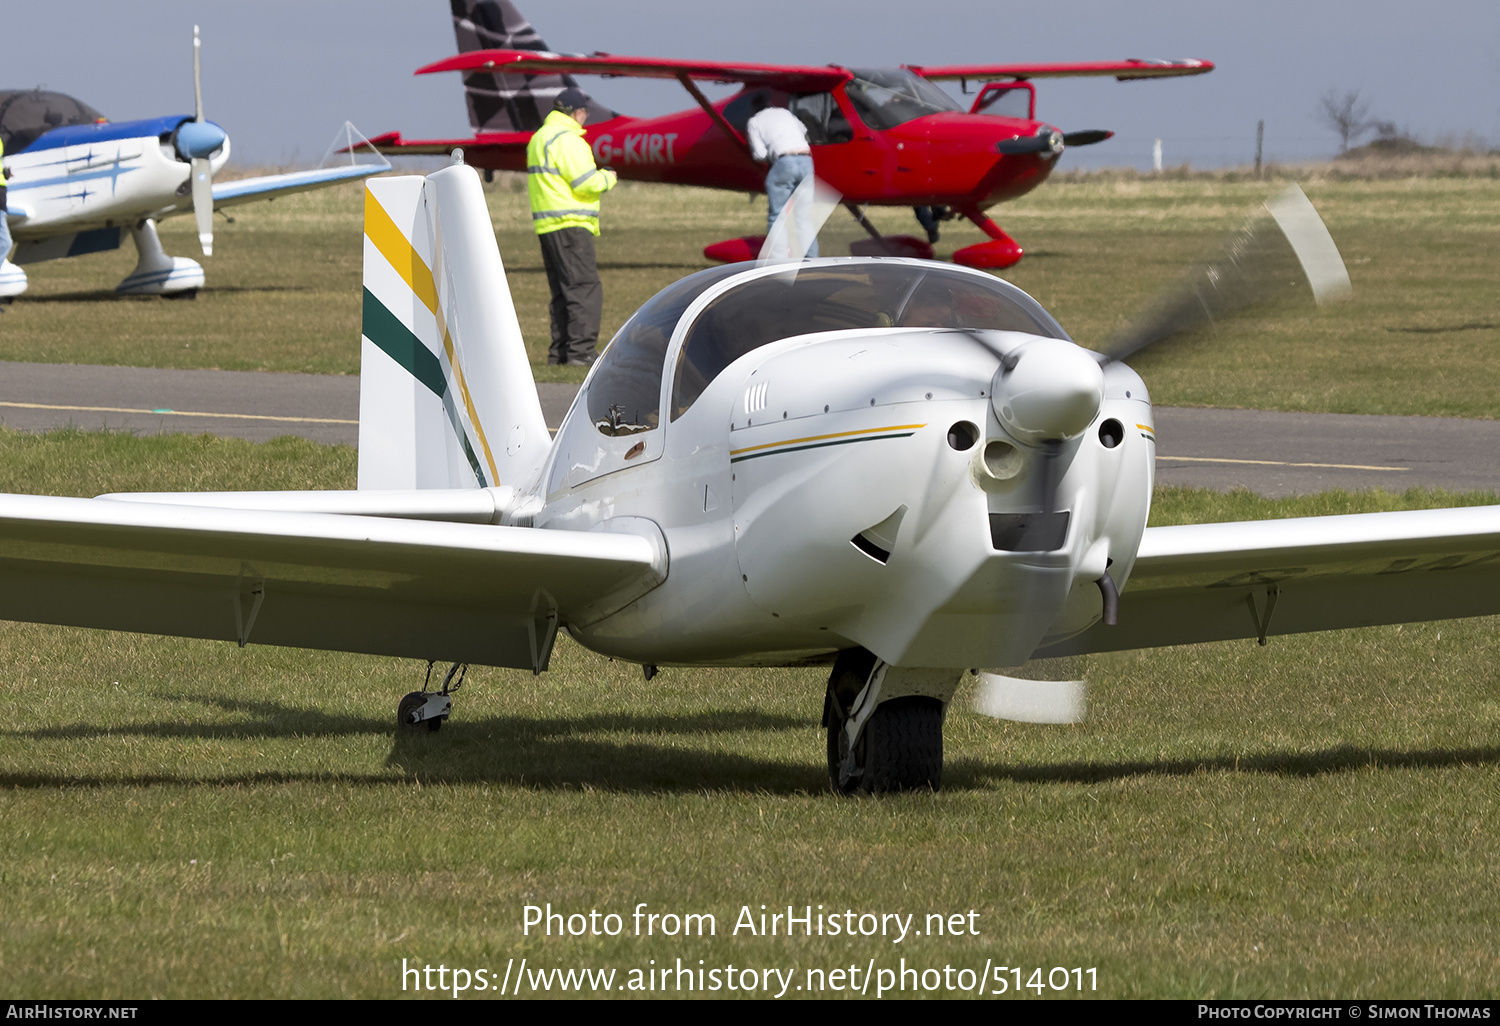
508	103
447	399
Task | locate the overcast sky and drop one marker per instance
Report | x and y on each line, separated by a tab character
282	75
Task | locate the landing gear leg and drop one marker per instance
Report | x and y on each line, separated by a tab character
157	274
1000	252
928	218
898	744
428	709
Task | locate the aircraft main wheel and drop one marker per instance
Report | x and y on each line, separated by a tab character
410	704
184	294
899	749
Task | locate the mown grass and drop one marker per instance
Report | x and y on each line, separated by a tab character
1315	818
1421	336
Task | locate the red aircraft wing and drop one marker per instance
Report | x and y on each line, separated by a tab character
1121	70
502	151
789	77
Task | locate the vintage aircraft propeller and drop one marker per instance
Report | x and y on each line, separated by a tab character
197	141
1283	250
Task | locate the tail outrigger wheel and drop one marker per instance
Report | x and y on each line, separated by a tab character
429	709
896	746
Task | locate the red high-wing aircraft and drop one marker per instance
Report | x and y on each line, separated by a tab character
881	136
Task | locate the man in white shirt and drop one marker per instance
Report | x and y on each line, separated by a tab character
777	137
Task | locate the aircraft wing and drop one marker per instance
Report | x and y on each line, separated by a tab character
244	190
1214	582
790	77
461	592
1122	70
393	143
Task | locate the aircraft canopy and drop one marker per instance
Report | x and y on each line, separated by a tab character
887	97
27	114
625	390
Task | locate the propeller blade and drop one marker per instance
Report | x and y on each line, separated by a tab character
1031	701
796	229
203	203
197	75
1087	137
1046	140
1283	251
1021	144
1048	475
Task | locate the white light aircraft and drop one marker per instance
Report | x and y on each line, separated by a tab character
900	469
81	182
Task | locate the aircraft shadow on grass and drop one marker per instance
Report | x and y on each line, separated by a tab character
557	753
564	753
106	296
684	268
1446	329
1326	761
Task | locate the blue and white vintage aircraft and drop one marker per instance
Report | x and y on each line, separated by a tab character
80	183
897	468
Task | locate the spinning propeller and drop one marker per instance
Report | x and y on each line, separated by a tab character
1283	249
197	141
1047	392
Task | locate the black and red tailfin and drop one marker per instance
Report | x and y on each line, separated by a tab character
507	103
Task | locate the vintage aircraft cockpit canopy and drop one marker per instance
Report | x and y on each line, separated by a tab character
27	114
625	389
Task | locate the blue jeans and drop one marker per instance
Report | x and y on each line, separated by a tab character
4	235
781	181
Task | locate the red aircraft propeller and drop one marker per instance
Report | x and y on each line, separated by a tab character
880	136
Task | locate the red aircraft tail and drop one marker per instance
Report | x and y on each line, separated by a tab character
507	103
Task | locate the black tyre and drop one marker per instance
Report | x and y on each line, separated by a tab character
899	749
903	746
410	704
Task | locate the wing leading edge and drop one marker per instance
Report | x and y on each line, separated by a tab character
461	592
244	190
1216	582
1122	70
791	77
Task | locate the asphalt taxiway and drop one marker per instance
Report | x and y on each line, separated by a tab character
1273	454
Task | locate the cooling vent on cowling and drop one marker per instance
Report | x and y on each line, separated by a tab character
879	542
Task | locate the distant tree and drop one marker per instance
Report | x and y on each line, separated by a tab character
1346	114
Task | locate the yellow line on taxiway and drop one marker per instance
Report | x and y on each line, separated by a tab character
1279	463
177	413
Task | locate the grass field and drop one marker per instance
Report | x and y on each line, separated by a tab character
1421	336
187	819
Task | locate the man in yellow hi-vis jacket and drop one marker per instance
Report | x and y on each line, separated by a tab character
564	185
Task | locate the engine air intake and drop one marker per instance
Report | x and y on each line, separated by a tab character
1029	532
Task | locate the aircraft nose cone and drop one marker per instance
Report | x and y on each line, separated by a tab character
199	139
1047	390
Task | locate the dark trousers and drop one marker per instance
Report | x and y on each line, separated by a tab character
577	294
